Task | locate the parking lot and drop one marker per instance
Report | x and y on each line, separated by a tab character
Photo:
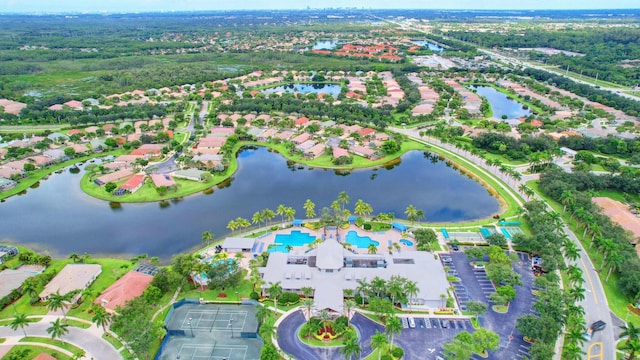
475	286
425	340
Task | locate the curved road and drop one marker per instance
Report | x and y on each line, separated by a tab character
289	343
88	339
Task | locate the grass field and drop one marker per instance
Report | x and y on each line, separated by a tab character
58	343
28	352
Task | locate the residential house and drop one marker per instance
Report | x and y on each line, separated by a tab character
113	177
301	138
162	180
362	151
132	185
72	277
127	288
316	151
6	184
190	174
12	279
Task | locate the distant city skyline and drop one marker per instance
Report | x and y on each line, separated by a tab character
94	6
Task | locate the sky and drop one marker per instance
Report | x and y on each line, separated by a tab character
62	6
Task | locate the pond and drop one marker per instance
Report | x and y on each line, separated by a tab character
502	104
331	89
431	46
60	218
325	44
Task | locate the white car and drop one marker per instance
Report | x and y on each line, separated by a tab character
412	322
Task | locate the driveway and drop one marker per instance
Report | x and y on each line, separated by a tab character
289	343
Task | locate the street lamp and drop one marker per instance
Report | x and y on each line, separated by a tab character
190	327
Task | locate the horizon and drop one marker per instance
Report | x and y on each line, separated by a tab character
169	6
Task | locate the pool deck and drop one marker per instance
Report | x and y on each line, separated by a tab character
385	238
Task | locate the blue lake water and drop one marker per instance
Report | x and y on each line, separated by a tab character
326	45
61	219
331	89
501	104
431	46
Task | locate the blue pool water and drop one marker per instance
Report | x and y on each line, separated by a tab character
406	242
362	242
295	238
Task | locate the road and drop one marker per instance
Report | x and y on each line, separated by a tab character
595	305
87	339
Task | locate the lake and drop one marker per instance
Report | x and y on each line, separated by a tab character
59	217
331	89
325	44
431	46
502	104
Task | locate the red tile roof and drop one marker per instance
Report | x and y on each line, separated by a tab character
134	182
128	287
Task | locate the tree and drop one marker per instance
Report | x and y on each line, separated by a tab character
280	210
351	349
325	316
110	186
101	318
262	313
372	249
411	289
457	350
497	239
207	237
393	327
633	347
477	308
485	340
274	290
349	306
343	199
362	208
59	302
630	331
307	304
30	286
269	352
74	257
20	321
58	329
309	208
378	342
474	253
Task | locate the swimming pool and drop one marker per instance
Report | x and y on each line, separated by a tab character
361	242
406	242
295	238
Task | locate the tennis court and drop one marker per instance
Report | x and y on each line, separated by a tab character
211	331
467	237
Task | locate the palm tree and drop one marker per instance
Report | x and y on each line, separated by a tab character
395	287
307	304
630	331
350	349
571	251
280	211
633	347
59	302
372	249
262	313
614	261
363	288
30	286
74	257
290	213
307	291
232	225
207	237
411	289
101	318
378	341
58	329
309	208
362	208
576	335
267	215
573	351
567	198
577	293
349	306
343	199
325	316
411	213
275	290
257	217
20	321
393	327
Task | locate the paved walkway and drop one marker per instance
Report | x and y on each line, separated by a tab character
90	339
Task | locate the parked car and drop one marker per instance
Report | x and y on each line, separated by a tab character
412	322
445	323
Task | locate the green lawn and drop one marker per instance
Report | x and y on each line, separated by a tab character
59	343
244	290
28	352
112	340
